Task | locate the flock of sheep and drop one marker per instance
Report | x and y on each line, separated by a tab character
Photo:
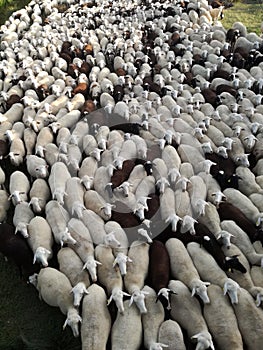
131	143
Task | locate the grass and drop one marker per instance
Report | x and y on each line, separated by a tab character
26	323
249	13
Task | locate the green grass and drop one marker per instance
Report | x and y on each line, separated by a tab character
250	14
27	323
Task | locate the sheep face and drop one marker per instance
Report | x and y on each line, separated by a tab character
158	346
188	225
41	255
161	184
16	198
41	171
224	238
231	288
73	319
35	204
117	296
111	241
91	265
77	209
78	292
204	341
59	196
200	288
218	197
67	238
122	259
173	220
138	297
22	228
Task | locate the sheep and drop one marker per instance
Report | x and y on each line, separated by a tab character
171	334
14	114
192	155
4	205
211	219
57	179
221	320
243	203
74	158
19	187
127	331
197	191
109	277
250	325
246	181
167	208
95	202
85	250
241	240
40	240
16	249
183	304
152	320
74	202
96	320
29	138
22	216
39	195
54	288
58	218
120	235
36	167
95	225
172	161
183	268
78	277
137	273
17	152
44	136
87	171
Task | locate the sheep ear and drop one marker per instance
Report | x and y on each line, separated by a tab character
193	292
207	283
126	294
65	324
98	262
34	259
258	221
109	300
131	301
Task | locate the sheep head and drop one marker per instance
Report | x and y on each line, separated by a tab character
224	238
34	201
77	208
204	341
138	297
117	295
188	224
173	220
22	228
41	255
111	241
66	238
158	346
78	292
218	197
87	181
72	320
231	287
122	259
91	265
200	288
142	232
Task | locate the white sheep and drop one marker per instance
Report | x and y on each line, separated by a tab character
120	235
4	205
73	158
137	272
109	277
79	278
36	166
29	138
136	176
214	194
74	200
221	320
96	320
243	203
171	334
96	203
58	177
183	268
85	250
39	195
87	171
198	191
22	216
247	182
183	304
172	161
242	241
191	155
251	324
167	208
19	187
58	219
68	120
40	240
101	136
44	137
152	320
62	139
211	219
54	288
14	114
17	151
127	332
95	225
